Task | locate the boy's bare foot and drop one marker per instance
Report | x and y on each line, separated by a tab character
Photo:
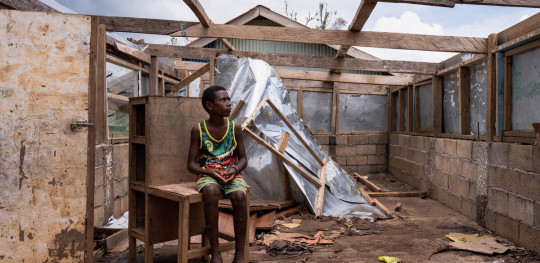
216	258
238	259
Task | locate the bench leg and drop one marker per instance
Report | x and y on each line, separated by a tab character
148	253
132	249
183	230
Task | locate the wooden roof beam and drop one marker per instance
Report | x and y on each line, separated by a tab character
517	3
362	14
443	3
143	25
341	37
349	78
197	8
292	60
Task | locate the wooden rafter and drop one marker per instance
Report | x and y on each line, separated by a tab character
190	78
143	25
443	3
520	3
342	37
362	15
197	8
350	78
27	5
296	60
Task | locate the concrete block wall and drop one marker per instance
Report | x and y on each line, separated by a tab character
496	184
364	153
111	182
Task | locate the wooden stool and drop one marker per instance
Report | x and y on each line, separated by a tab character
176	211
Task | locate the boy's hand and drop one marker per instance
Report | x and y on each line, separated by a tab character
216	174
229	174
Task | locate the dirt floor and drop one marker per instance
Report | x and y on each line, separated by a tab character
417	234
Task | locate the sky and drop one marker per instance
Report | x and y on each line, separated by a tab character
462	20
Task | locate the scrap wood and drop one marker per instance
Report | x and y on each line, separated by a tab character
397	194
384	209
288	212
296	238
265	221
258	205
367	183
367	196
398	206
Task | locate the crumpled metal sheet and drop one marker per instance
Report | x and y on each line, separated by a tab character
252	81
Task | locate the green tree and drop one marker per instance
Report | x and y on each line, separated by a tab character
325	19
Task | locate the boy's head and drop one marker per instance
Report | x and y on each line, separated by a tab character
209	95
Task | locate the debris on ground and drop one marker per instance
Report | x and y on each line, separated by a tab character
388	259
480	244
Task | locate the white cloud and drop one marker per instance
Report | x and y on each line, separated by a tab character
410	23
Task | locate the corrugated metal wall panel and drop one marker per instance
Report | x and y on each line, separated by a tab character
288	48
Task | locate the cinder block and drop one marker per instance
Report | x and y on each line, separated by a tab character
376	159
357	160
406	141
537	215
521	209
381	149
342	140
367	168
468	208
464	149
99	216
453	183
536	157
439	145
472	191
502	225
446	164
498	153
378	139
529	186
345	150
98	176
456	166
450	147
506	179
341	160
393	139
98	196
520	157
470	171
120	152
120	170
463	187
358	139
498	201
441	179
120	188
366	149
322	139
528	237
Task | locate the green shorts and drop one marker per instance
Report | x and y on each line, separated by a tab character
237	184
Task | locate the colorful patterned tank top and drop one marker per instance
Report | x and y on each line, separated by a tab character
217	153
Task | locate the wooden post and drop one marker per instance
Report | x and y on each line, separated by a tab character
401	111
161	87
183	230
417	108
335	110
101	92
320	194
507	93
389	108
283	142
437	84
91	143
464	107
300	101
212	70
410	94
153	86
491	88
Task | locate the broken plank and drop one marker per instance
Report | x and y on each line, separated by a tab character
368	198
383	208
265	221
367	183
283	158
288	212
283	142
236	109
397	207
320	194
397	194
190	78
